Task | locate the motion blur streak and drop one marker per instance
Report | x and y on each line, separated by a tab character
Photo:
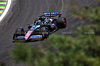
29	10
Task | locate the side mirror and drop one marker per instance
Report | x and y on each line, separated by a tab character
59	15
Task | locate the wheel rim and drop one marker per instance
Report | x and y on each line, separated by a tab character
64	22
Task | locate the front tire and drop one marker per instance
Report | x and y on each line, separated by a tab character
14	36
18	32
45	32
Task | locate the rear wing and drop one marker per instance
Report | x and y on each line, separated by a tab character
52	14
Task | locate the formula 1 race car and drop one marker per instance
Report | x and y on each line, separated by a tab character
43	26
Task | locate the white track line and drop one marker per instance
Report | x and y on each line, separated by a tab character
6	10
62	6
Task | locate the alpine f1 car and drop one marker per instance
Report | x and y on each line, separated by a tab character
43	26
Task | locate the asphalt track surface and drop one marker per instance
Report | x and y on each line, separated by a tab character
29	10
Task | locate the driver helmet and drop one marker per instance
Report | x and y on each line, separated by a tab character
39	21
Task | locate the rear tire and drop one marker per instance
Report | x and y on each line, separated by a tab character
61	22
